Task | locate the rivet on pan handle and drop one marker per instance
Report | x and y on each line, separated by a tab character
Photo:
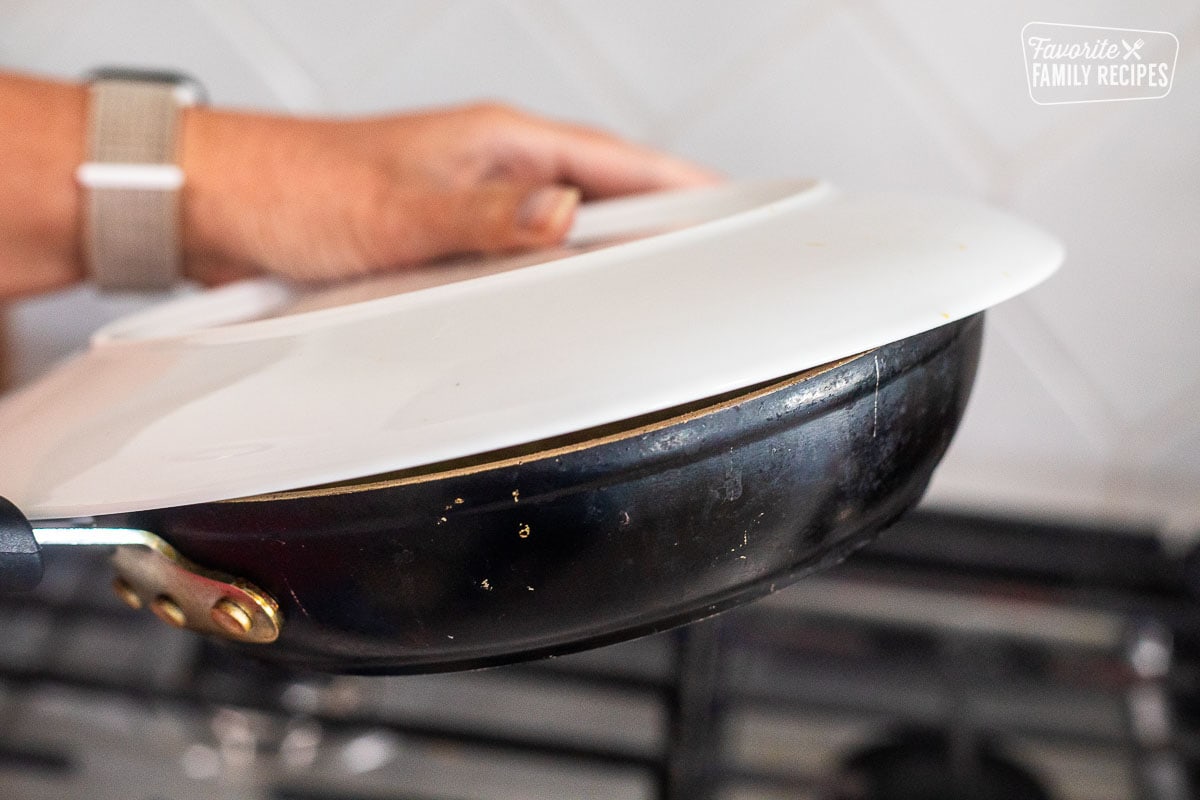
150	573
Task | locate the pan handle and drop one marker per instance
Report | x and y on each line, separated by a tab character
150	572
21	545
20	552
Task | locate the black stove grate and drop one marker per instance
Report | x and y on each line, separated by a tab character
958	656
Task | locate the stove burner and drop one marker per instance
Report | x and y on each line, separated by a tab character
934	765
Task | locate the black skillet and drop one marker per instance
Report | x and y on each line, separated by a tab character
609	534
587	538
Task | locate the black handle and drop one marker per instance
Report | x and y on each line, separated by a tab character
20	555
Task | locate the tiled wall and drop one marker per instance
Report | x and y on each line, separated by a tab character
1089	399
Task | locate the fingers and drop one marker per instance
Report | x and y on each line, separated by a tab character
600	164
488	218
498	217
603	166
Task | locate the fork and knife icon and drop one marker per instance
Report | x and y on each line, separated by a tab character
1132	49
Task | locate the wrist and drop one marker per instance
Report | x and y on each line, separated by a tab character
225	189
195	153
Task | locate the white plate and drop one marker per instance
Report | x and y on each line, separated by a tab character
259	387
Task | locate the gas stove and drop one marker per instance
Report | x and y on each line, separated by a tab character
958	656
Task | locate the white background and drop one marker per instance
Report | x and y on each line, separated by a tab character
1088	403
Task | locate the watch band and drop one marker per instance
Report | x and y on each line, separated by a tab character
131	183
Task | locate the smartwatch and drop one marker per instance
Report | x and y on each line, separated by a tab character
131	180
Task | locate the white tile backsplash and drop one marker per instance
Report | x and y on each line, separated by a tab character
672	55
974	49
851	124
327	42
472	51
1127	304
1088	400
66	39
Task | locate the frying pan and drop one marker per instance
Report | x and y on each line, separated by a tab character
555	543
614	533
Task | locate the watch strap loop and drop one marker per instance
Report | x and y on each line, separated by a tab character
131	184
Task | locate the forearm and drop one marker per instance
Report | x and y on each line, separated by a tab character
41	143
313	200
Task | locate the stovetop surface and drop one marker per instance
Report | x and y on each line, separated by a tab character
952	659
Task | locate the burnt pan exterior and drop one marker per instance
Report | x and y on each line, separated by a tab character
586	543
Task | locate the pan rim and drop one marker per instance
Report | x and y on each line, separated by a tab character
626	429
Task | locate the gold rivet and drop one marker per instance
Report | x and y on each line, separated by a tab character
232	617
128	596
166	609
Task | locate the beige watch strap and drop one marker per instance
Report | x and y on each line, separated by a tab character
131	184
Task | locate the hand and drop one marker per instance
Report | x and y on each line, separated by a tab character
315	200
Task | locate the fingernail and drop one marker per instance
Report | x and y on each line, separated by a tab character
548	208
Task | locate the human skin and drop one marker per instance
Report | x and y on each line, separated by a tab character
318	199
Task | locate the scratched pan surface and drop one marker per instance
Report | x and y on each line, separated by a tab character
613	533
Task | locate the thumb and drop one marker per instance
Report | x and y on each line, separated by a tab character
497	217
